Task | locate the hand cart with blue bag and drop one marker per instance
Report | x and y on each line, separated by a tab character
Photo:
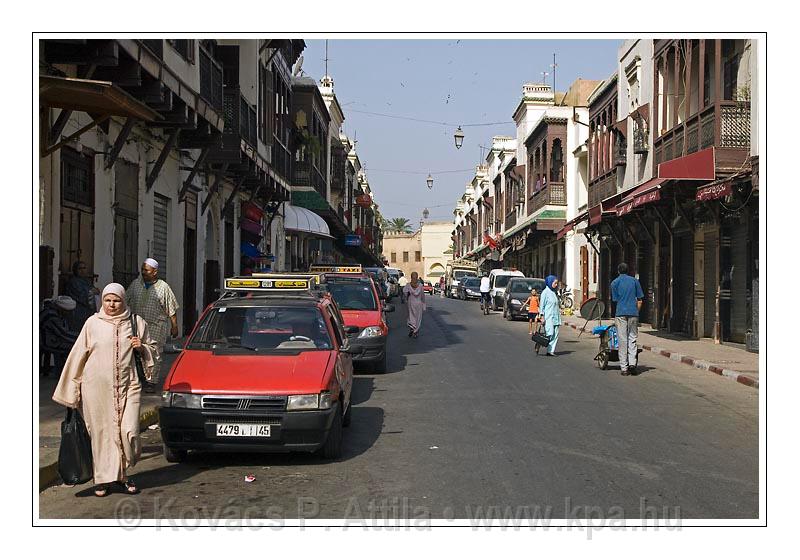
593	309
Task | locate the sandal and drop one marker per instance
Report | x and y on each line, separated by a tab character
129	486
101	491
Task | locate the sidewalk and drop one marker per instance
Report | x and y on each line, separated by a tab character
51	414
727	361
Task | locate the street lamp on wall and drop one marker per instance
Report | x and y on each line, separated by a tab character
459	138
430	181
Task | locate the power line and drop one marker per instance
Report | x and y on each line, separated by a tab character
370	170
441	123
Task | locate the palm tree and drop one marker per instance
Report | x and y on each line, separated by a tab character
400	225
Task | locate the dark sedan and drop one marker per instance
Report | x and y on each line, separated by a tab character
519	290
469	288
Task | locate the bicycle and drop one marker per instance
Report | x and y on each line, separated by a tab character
485	305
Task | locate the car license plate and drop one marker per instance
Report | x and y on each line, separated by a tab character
243	430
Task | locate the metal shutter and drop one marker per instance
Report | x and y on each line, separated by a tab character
739	290
160	233
710	283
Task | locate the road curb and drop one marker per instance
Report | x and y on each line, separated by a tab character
48	474
696	363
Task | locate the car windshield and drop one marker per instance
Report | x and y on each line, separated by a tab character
472	282
459	274
501	281
262	328
353	295
525	285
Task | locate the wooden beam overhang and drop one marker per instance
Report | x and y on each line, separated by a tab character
213	190
120	142
232	197
645	228
75	135
201	159
162	157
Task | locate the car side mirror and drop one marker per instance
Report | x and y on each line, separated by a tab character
388	308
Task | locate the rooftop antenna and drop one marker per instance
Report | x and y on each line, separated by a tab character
544	77
554	66
326	57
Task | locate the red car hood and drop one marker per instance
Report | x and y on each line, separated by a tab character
200	371
361	319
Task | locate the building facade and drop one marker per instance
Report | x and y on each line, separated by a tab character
184	151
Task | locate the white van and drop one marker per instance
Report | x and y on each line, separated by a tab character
498	280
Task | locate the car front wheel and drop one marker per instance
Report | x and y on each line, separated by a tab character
332	449
174	455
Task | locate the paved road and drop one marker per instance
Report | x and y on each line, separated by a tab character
468	419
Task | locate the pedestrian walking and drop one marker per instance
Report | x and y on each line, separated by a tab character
100	377
80	288
532	303
626	292
550	312
441	287
415	296
151	297
55	336
403	282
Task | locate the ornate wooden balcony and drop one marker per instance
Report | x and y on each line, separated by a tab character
210	80
728	130
553	194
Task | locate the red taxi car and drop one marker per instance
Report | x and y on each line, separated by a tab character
427	287
363	311
268	367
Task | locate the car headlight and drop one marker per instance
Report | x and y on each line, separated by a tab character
303	402
370	332
182	400
516	302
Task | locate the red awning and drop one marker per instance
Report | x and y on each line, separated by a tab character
572	223
645	193
699	166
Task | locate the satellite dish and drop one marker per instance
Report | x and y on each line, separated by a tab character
296	69
592	309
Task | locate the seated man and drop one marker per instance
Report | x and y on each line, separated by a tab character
54	335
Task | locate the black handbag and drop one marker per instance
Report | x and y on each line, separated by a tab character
137	359
75	452
540	338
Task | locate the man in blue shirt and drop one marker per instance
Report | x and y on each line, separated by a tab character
627	293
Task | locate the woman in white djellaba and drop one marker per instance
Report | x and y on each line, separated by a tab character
100	377
415	296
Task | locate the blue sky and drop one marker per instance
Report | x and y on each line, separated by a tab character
444	80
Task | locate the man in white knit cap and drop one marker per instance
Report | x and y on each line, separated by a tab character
151	298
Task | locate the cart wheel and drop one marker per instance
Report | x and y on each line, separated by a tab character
602	361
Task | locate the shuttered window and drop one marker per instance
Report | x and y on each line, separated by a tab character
126	222
160	233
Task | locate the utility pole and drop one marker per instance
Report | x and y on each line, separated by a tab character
554	66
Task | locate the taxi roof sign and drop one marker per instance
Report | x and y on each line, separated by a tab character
271	283
337	268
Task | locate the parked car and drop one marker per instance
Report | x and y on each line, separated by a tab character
517	291
498	280
427	287
469	288
267	368
364	317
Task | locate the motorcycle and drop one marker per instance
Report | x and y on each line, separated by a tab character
565	298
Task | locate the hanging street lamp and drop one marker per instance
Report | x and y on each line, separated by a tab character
459	138
426	213
430	181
